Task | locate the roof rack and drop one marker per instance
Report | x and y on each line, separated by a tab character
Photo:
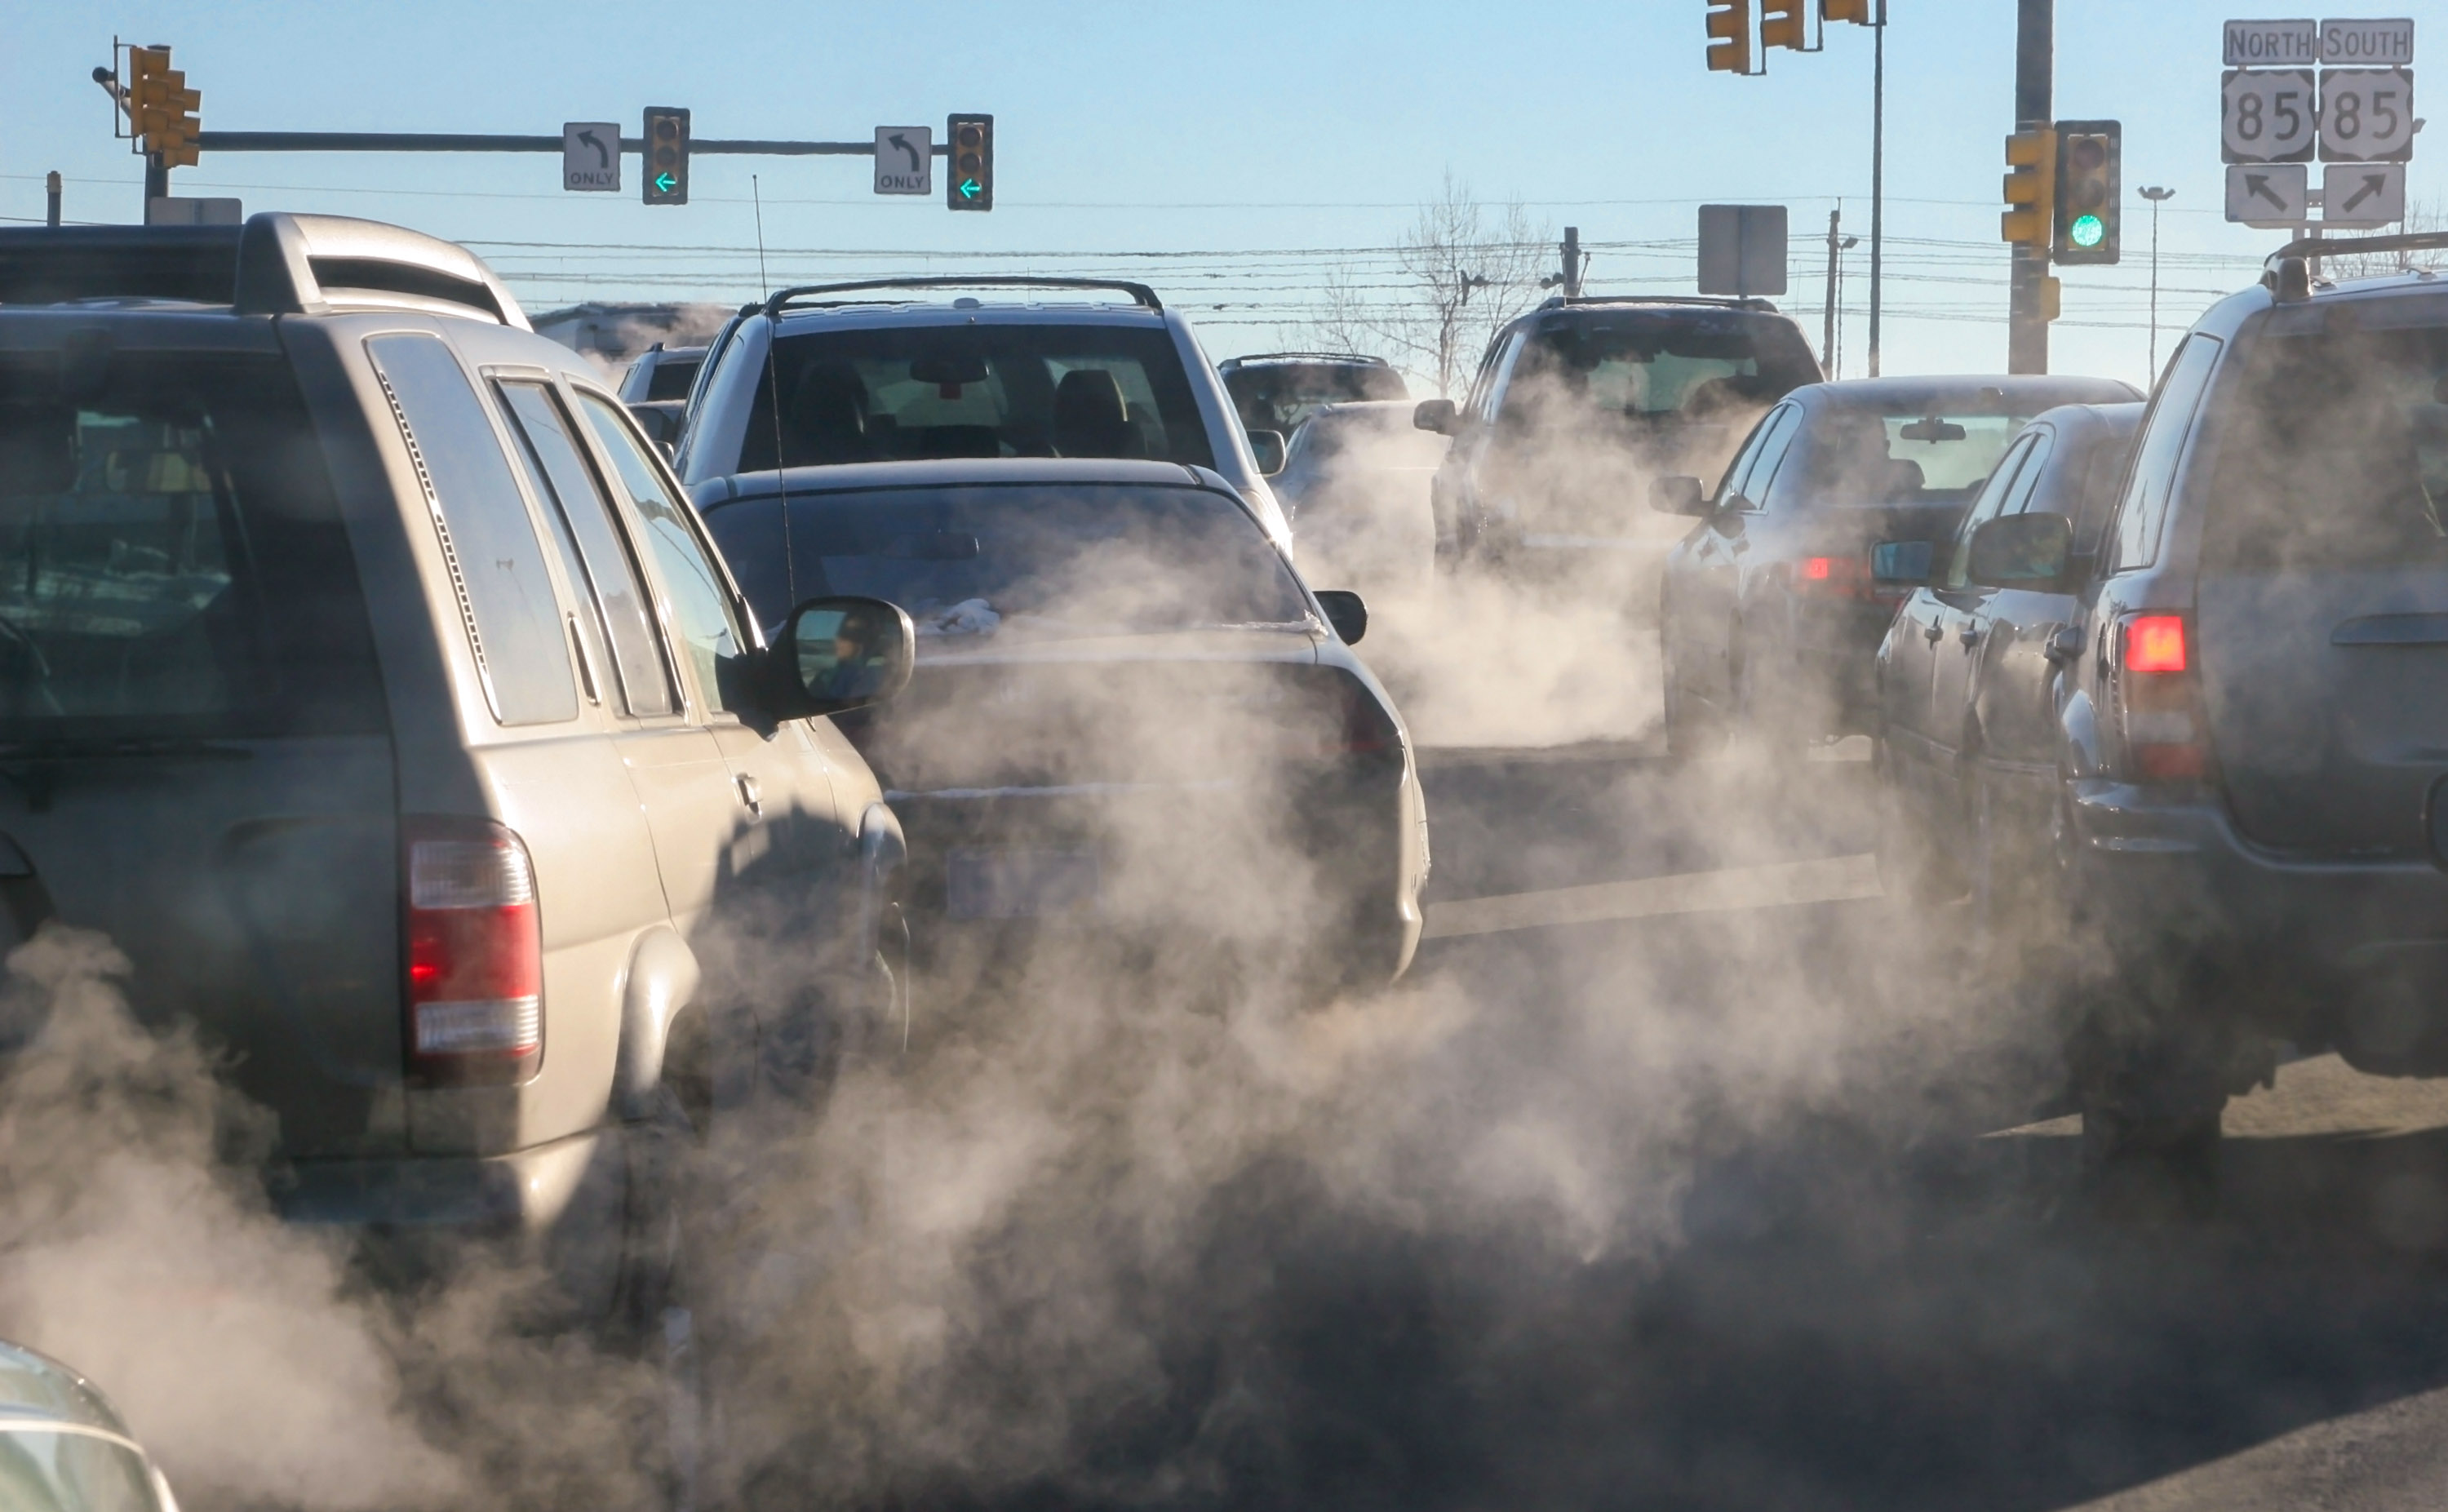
2332	246
1141	294
1305	356
1556	301
275	264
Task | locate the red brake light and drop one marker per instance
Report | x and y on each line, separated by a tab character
1816	568
2154	643
1351	722
476	955
1836	578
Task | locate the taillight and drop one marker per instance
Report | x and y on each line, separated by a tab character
2161	700
476	955
1836	578
1351	722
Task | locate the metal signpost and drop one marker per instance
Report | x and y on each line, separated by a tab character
2337	91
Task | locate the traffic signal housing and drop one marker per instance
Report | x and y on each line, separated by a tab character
1782	24
2031	182
970	185
667	155
2087	225
1857	12
161	107
1729	36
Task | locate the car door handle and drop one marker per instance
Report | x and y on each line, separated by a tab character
751	795
1930	632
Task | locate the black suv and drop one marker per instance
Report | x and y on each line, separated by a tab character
2250	798
1578	402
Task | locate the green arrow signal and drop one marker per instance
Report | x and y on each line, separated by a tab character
666	182
968	188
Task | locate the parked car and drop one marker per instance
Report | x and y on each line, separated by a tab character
367	678
1355	485
1967	737
63	1446
1128	711
1579	402
1770	618
877	372
1279	391
662	372
2247	817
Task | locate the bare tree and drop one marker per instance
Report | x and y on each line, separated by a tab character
1463	270
2419	216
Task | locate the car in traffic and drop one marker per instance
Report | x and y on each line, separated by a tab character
662	372
2249	828
1128	716
1355	486
367	678
64	1449
1579	402
1279	391
891	370
1966	728
1769	613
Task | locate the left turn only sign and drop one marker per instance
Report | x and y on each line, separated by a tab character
905	159
590	155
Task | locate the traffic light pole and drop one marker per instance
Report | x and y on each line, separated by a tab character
1877	176
2027	324
473	142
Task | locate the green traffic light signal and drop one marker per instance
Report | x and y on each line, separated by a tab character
667	155
2087	192
2086	231
970	185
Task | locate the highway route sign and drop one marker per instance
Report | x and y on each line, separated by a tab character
2268	115
2362	44
2362	195
905	159
2272	44
590	155
2366	115
2268	194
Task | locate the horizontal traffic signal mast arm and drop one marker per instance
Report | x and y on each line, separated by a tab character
491	142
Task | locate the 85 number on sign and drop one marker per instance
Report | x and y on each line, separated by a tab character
2366	115
2268	115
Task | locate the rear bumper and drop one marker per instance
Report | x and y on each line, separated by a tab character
527	1191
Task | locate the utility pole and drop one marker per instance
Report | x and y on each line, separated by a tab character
2155	193
2027	325
1828	305
1572	279
51	192
1878	173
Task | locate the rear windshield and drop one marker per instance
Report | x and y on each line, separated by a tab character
1017	558
983	391
671	377
2334	450
1280	395
1926	454
1661	364
171	563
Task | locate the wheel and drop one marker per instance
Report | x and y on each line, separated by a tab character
2152	1093
665	1261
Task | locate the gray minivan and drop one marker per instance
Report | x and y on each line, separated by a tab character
368	679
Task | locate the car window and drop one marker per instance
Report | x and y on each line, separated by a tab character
171	559
714	642
512	621
2334	451
1023	559
602	569
2135	537
2103	468
671	378
1688	364
1785	425
72	1473
2006	492
1482	404
976	391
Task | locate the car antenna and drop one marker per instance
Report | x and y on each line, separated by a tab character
773	387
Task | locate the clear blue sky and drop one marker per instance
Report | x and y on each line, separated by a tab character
1213	131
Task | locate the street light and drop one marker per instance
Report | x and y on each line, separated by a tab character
2155	193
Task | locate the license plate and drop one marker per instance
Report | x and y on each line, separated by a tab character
1020	884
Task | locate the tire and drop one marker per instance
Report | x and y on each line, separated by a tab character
663	1264
2152	1097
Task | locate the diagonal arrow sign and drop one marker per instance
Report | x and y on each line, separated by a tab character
2373	184
603	157
2259	184
903	142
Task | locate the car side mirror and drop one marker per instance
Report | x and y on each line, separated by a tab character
1346	611
839	653
1678	495
1438	415
1901	563
1268	448
2021	551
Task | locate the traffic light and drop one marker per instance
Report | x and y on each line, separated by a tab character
667	155
2087	223
1857	12
970	185
1782	24
2031	182
161	107
1729	36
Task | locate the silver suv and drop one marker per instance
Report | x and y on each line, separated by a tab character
368	679
867	372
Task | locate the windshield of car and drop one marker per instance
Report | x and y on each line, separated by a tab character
1927	452
1282	395
896	393
1036	558
1651	364
670	378
2334	451
171	562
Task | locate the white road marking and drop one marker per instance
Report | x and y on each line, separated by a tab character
1834	879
